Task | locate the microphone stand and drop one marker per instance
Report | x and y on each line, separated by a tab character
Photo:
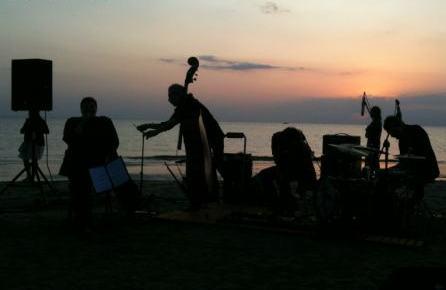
141	173
386	145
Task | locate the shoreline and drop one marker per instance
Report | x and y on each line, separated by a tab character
154	168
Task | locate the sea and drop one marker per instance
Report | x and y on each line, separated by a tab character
162	148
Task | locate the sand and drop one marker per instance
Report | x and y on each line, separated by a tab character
40	251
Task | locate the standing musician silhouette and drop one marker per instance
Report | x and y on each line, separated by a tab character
372	132
203	139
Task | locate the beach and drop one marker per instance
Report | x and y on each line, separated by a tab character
222	145
40	251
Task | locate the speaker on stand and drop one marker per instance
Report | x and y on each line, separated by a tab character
32	90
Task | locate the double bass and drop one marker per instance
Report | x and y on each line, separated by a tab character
191	76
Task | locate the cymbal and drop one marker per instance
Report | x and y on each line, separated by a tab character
365	148
410	157
350	150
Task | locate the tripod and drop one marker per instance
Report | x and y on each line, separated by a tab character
34	172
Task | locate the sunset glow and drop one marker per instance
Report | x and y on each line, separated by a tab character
250	51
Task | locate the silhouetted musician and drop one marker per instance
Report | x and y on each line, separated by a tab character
31	150
294	166
414	141
92	141
373	135
202	136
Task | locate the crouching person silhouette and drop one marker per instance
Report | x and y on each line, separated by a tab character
293	174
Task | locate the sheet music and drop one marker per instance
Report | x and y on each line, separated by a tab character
118	172
100	179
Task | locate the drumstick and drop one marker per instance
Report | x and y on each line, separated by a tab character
141	172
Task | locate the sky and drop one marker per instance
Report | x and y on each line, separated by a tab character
286	60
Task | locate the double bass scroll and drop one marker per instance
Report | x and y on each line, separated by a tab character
191	76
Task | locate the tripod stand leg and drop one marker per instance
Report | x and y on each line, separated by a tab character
47	182
13	180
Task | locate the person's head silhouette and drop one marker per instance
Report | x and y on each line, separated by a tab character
89	107
394	126
177	94
375	113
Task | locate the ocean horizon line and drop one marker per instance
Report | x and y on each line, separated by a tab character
361	122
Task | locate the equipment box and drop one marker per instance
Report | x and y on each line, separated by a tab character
338	164
237	172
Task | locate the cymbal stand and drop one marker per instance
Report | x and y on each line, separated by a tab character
386	145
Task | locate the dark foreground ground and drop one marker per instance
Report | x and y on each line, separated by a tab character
38	250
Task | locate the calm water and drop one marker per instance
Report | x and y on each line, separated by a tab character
258	134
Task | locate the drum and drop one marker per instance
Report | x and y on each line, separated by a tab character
344	200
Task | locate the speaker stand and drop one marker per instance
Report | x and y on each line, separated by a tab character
37	176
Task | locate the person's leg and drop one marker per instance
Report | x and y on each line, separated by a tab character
80	189
195	181
213	192
128	196
27	166
25	155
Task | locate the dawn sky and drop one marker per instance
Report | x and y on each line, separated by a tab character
252	53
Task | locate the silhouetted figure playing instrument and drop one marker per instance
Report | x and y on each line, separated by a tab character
92	141
31	150
417	158
373	135
203	139
293	173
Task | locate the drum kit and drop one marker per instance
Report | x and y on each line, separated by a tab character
375	198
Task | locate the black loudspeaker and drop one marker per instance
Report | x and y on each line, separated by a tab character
32	85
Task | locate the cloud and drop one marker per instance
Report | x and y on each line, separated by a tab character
270	7
348	73
213	62
168	60
241	66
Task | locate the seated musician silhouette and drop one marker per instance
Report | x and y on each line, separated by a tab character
92	141
203	139
31	150
293	173
419	158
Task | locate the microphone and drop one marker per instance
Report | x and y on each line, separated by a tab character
362	106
